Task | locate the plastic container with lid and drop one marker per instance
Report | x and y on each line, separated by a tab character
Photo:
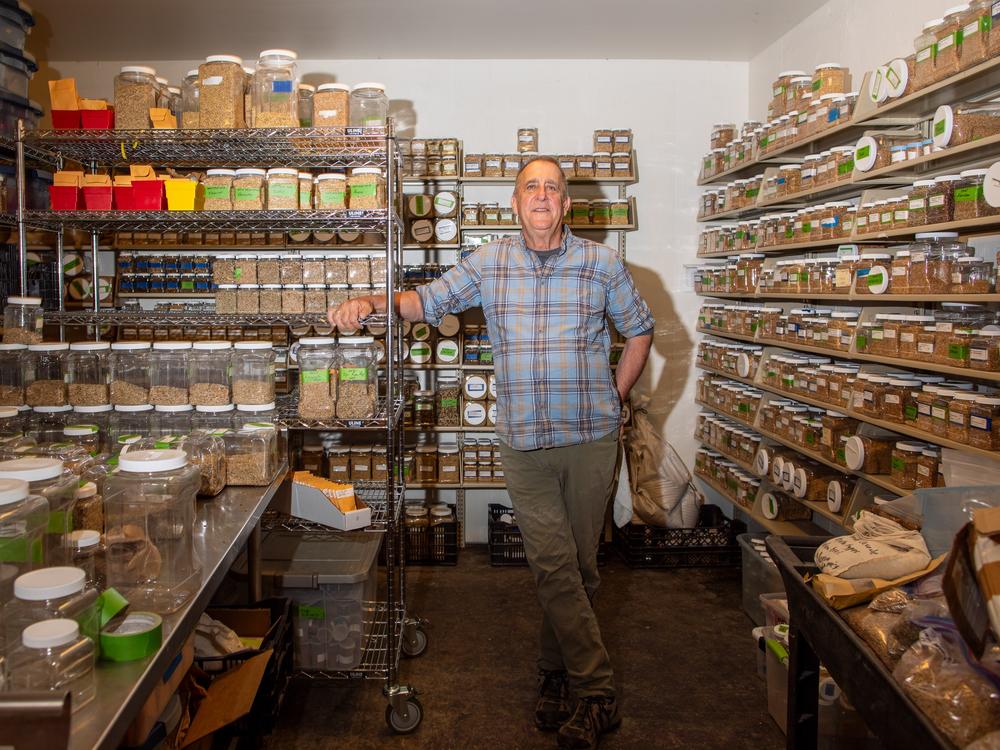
128	366
903	464
252	455
971	275
88	553
941	198
959	411
248	194
87	373
369	105
168	376
306	95
984	423
51	592
23	318
948	45
52	656
253	372
925	45
282	189
927	468
918	202
219	189
366	188
149	513
24	518
12	374
331	191
317	360
357	384
984	351
45	374
870	455
968	198
331	105
135	94
221	86
274	91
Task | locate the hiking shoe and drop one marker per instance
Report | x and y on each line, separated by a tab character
594	715
552	709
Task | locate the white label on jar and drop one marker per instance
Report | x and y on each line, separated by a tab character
907	338
890	333
493	163
381	467
604	139
211	81
970	29
622	138
446	469
925	347
934	202
918	203
980	423
326	113
472	167
956	417
901	215
842	277
526	138
808	173
821	382
891	398
938	412
943	327
899	271
978	354
877	335
361	466
835	387
956	277
898	156
845	339
859	400
945	42
474	414
924	54
339	469
923	471
887	217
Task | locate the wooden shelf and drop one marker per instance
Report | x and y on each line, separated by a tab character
851	297
781	528
739	462
824	510
964	156
715	409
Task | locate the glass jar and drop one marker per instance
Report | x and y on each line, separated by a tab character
135	94
366	188
331	191
12	374
905	456
339	463
369	105
128	422
46	477
984	351
959	411
317	378
357	386
331	106
918	203
168	376
971	275
190	97
87	373
253	372
941	199
275	99
868	454
306	94
128	372
221	82
967	196
23	318
45	374
149	506
427	468
282	189
248	195
24	518
928	468
923	73
984	423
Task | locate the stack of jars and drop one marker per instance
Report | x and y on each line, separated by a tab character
337	378
740	360
733	481
728	397
728	437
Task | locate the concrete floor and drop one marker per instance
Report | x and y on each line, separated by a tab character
679	641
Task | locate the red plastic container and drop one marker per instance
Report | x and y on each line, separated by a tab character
97	197
124	199
97	119
64	197
148	195
66	119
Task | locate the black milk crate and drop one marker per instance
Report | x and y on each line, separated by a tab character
505	542
711	544
432	545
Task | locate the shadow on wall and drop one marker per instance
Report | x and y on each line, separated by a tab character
670	341
402	111
38	45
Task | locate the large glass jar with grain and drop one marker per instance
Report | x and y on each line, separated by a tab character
369	106
135	95
275	98
366	188
221	85
331	105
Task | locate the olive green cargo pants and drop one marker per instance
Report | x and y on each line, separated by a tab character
560	496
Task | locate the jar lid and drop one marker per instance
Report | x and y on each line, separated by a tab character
448	448
279	171
141	462
366	170
31	469
307	87
213	408
986	333
34	301
12	347
426	449
356	340
948	178
988	401
130	346
923	183
227	286
369	85
50	633
211	345
251	171
225	58
974	172
331	176
969	259
49	583
171	345
900	383
173	408
316	341
440	510
49	346
270	406
294	286
52	409
937	235
279	53
253	345
965	396
416	511
339	450
333	87
910	447
83	538
931	453
139	69
133	408
12	491
80	430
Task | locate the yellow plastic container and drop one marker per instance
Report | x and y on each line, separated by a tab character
184	195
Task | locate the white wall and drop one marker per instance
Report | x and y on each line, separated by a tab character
670	105
856	33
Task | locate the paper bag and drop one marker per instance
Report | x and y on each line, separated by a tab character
68	178
142	172
93	105
841	593
162	119
62	94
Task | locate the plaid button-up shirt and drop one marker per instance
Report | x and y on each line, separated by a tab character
549	333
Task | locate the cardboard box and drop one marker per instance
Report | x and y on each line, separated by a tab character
158	698
312	505
230	697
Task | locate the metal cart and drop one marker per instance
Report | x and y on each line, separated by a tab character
392	632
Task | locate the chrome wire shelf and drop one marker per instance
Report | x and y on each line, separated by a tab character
373	494
210	221
288	416
251	147
33	156
375	657
180	317
8	220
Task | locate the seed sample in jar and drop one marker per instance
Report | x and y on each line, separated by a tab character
331	191
248	189
331	106
268	269
527	140
317	378
129	365
219	189
135	95
315	298
45	374
357	389
87	373
270	298
225	299
208	373
168	375
291	269
282	189
221	84
293	299
248	299
366	188
359	269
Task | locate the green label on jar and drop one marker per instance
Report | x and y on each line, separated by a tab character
59	523
744	408
817	84
217	192
874	279
845	167
353	374
246	193
363	191
958	351
939	126
448	402
305	198
281	189
863	153
910	413
841	455
328	198
315	376
486	357
898	464
861	342
966	194
619	212
807	227
752	193
312	613
803	277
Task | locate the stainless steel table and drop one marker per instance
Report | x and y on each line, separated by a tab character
222	527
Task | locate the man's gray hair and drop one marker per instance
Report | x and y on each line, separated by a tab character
563	185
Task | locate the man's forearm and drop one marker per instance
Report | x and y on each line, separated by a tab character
408	305
630	366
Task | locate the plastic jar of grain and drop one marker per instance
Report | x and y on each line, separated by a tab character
366	188
135	95
221	84
984	351
293	299
219	189
830	78
331	191
248	189
331	105
282	189
941	198
291	268
909	333
899	273
971	275
965	123
928	468
903	471
270	298
958	416
897	397
967	196
947	59
225	299
984	423
868	454
923	73
939	410
924	402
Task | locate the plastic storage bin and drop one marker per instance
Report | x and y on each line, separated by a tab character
333	586
760	576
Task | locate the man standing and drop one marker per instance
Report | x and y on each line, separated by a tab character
546	294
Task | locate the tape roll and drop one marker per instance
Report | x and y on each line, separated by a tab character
139	635
111	604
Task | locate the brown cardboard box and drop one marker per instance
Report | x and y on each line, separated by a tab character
161	695
230	697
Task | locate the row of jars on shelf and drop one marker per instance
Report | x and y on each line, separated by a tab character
964	338
741	360
599	211
277	239
929	202
741	486
292	268
597	165
166	373
474	462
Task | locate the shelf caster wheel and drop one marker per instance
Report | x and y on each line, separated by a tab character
406	722
414	642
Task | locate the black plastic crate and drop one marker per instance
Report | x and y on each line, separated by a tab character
271	692
505	543
432	545
711	544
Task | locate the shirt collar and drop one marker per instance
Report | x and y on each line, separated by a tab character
567	238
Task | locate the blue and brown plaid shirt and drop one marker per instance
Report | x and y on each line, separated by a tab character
549	333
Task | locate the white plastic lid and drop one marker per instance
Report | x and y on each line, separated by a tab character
52	409
356	340
31	469
213	408
142	462
283	171
8	412
84	538
211	345
834	495
80	430
988	401
12	491
161	80
854	453
258	426
910	447
255	407
171	345
221	173
251	171
97	409
333	87
174	408
139	69
331	176
279	53
49	583
90	346
86	490
49	346
12	347
50	633
369	85
133	408
34	301
791	73
192	72
307	87
316	341
253	345
366	170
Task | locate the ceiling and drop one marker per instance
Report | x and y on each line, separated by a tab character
127	30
